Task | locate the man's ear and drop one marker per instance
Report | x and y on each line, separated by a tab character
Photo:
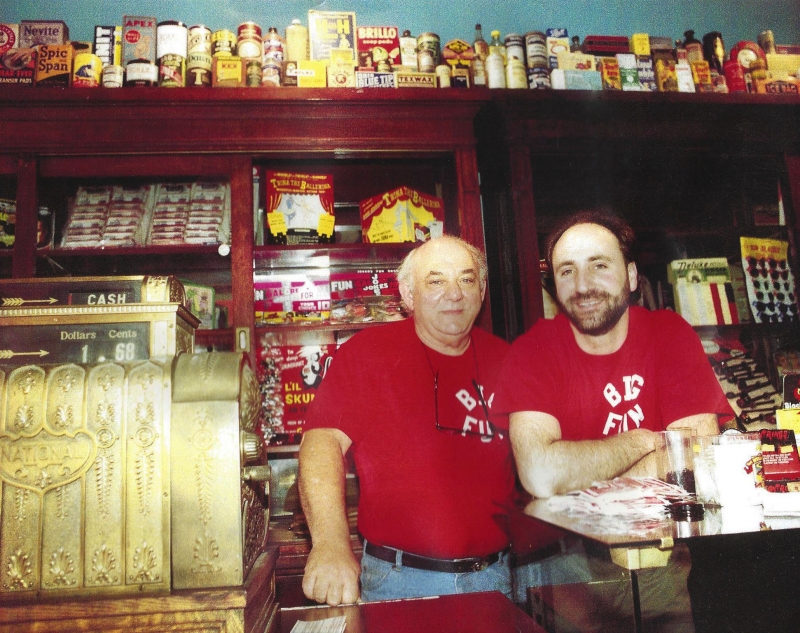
406	295
633	276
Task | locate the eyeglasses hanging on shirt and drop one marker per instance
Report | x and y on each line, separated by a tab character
485	429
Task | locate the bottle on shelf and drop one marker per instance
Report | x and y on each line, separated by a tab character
480	45
693	46
575	47
497	46
495	70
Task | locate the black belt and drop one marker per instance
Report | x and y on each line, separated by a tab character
456	566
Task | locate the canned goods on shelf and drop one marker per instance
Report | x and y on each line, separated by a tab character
249	48
141	72
429	42
515	47
198	69
172	71
516	76
87	70
252	72
248	31
443	75
538	78
425	61
223	43
171	39
199	39
113	76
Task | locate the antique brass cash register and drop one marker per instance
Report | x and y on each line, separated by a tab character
132	479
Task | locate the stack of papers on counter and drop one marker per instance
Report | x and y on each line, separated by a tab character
623	496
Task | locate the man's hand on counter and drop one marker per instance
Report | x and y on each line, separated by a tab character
331	575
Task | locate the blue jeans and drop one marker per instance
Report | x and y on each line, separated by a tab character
387	581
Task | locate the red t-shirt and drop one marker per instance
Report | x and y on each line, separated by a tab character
659	375
422	490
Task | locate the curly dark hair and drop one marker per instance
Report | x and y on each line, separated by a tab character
608	220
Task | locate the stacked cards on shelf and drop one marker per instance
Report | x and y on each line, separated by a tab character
769	280
209	214
364	296
87	218
171	214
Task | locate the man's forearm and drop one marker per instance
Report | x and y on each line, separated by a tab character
562	466
321	484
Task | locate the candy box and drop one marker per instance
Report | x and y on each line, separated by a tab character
401	215
299	207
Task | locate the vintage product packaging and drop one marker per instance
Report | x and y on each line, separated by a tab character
299	207
9	37
780	83
575	61
401	215
605	45
647	73
770	281
42	32
108	44
561	79
53	65
292	297
369	79
666	76
201	301
415	80
701	75
138	38
377	44
610	73
17	66
228	72
702	290
329	30
8	221
780	465
628	74
312	73
557	41
341	75
640	44
365	296
458	54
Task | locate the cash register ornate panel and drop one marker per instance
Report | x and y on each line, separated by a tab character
129	466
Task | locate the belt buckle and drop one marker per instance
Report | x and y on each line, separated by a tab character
480	565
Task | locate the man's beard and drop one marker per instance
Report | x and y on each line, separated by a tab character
601	321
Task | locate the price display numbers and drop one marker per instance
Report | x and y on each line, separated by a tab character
74	343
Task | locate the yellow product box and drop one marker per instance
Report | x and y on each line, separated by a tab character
789	64
640	44
568	60
312	73
228	72
788	419
328	30
401	215
701	74
666	76
415	80
341	75
609	73
54	65
779	83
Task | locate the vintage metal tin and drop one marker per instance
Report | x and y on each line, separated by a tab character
766	40
516	76
429	42
172	39
141	72
249	48
271	72
252	71
425	61
87	69
539	78
515	47
199	39
138	39
198	69
223	43
248	31
443	75
113	76
172	71
536	50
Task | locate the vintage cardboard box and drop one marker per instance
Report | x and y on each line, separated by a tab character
377	44
329	30
138	38
299	207
312	73
412	79
107	44
292	297
401	215
17	66
9	37
38	32
341	75
227	72
369	79
201	300
53	65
